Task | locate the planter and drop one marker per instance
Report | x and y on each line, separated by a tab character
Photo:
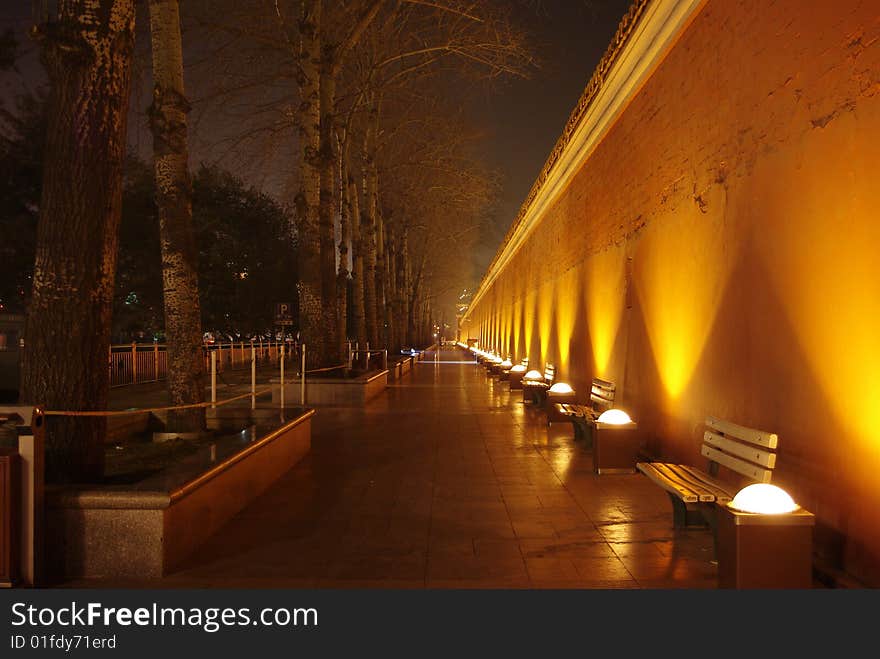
398	369
348	392
150	527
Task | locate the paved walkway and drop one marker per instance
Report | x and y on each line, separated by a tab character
449	481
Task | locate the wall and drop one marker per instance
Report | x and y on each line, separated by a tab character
717	253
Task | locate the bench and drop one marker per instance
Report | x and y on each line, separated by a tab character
743	455
583	417
534	390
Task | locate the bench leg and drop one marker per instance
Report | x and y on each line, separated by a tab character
684	517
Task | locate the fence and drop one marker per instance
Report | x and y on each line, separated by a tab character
137	363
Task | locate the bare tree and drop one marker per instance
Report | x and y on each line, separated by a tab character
87	52
168	122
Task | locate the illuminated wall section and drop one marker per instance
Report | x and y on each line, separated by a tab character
680	271
828	277
566	303
741	181
605	293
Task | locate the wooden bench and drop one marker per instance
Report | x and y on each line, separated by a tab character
737	456
534	391
583	417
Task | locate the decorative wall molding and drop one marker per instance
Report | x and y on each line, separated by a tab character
645	35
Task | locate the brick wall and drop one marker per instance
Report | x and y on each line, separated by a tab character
718	254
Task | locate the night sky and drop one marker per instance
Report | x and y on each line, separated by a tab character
524	118
521	118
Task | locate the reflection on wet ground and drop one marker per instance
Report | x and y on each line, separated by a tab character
449	481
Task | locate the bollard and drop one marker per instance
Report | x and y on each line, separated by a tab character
253	377
385	359
213	379
367	358
281	379
155	359
302	378
134	367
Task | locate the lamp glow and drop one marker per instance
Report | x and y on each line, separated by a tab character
497	360
507	363
764	499
614	418
533	375
519	368
561	388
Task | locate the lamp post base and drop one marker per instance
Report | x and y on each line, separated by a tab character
765	551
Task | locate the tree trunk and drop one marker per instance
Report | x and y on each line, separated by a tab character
357	246
344	242
327	212
380	279
87	52
388	285
308	198
183	322
399	274
368	228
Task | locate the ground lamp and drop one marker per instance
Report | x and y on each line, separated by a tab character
616	443
560	392
765	540
504	369
515	376
530	381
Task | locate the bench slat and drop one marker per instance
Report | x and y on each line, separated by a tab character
766	439
650	470
601	401
756	473
740	450
722	490
675	472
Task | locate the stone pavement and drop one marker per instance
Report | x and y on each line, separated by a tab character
449	481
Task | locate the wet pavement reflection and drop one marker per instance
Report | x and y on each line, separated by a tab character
449	481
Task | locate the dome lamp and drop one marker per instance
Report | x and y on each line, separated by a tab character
614	417
763	499
519	368
561	388
533	375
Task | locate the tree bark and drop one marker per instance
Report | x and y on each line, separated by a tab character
344	241
308	198
168	123
87	53
370	223
368	226
357	297
327	211
400	290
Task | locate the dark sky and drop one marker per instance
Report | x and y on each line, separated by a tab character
522	118
526	117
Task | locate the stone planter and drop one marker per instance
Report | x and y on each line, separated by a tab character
148	528
348	392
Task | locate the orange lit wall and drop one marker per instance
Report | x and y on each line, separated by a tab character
719	253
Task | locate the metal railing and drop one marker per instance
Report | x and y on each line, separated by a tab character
138	363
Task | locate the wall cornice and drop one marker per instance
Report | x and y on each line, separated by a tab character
645	35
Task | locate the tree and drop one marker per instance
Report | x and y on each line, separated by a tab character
174	201
87	53
22	142
247	254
